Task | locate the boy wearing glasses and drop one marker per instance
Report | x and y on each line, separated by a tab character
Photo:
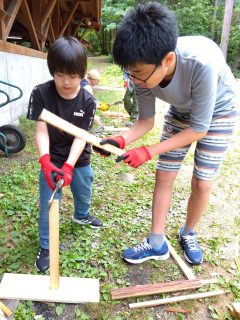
189	73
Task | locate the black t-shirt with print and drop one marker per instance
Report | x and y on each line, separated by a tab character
79	111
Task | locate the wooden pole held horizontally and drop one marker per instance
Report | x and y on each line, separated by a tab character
68	127
54	243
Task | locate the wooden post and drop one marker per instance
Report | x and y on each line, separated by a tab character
54	244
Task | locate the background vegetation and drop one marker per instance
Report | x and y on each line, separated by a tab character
195	17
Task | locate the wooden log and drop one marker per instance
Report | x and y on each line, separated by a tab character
187	271
68	127
159	302
150	289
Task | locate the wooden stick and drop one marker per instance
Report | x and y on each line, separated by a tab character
182	264
5	309
159	302
68	127
179	310
54	244
150	289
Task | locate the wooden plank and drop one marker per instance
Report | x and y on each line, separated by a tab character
13	48
159	302
36	288
150	289
2	22
68	127
187	271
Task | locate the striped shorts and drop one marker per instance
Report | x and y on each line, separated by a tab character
209	151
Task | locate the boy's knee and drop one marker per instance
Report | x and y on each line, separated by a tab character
201	186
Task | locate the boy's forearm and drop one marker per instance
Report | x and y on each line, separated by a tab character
42	138
179	140
139	129
77	148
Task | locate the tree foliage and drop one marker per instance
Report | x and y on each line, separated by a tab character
195	17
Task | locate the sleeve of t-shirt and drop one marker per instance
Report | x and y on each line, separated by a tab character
35	105
204	92
146	102
89	114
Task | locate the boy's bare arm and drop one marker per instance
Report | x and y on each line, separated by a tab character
76	149
42	138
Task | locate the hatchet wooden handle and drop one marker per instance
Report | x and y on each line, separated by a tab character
68	127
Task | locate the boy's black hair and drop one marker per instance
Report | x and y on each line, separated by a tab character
67	55
146	34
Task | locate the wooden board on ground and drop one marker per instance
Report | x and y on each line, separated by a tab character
159	302
36	288
150	289
187	271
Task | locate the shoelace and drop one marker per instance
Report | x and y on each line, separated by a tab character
142	246
191	241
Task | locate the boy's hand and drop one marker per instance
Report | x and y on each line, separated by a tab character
66	174
117	141
135	157
48	168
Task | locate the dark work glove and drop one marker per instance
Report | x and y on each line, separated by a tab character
49	170
135	157
117	141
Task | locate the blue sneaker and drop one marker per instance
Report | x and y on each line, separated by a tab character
144	251
192	251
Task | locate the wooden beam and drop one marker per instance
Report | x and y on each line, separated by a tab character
187	271
13	48
154	303
31	27
47	12
69	18
77	27
56	20
12	12
2	22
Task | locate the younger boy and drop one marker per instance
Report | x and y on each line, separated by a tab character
62	155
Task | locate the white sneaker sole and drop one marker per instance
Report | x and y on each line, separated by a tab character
137	261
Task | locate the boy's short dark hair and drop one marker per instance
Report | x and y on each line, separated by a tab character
67	55
146	34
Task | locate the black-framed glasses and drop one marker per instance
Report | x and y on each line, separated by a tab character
132	76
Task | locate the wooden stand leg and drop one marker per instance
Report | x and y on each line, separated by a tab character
54	244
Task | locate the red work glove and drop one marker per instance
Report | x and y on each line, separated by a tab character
67	172
136	157
117	141
49	169
125	85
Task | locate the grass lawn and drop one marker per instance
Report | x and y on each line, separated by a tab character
125	210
